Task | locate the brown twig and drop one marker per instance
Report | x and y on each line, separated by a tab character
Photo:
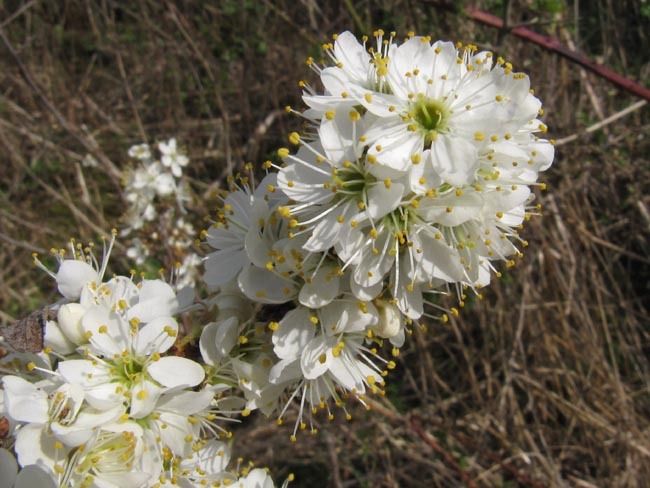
554	45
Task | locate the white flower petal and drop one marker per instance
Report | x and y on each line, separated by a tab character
257	478
33	476
353	56
144	395
172	371
72	276
34	446
156	299
264	286
316	357
439	260
157	336
347	316
345	371
336	135
173	436
221	238
208	344
186	402
454	159
222	266
54	338
382	200
112	339
452	210
213	458
218	339
293	334
84	426
257	247
24	401
363	293
321	289
69	319
284	371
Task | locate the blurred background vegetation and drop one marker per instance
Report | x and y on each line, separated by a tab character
543	382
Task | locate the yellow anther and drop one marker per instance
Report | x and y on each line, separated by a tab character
387	182
294	138
479	136
330	114
283	152
354	115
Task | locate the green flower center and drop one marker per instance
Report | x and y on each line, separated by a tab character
351	180
127	370
430	116
399	222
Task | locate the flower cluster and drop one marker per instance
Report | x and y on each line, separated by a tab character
108	403
411	180
152	225
153	179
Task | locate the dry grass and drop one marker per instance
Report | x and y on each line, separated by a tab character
543	382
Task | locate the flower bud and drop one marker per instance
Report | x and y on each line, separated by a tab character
69	318
72	276
390	320
54	338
